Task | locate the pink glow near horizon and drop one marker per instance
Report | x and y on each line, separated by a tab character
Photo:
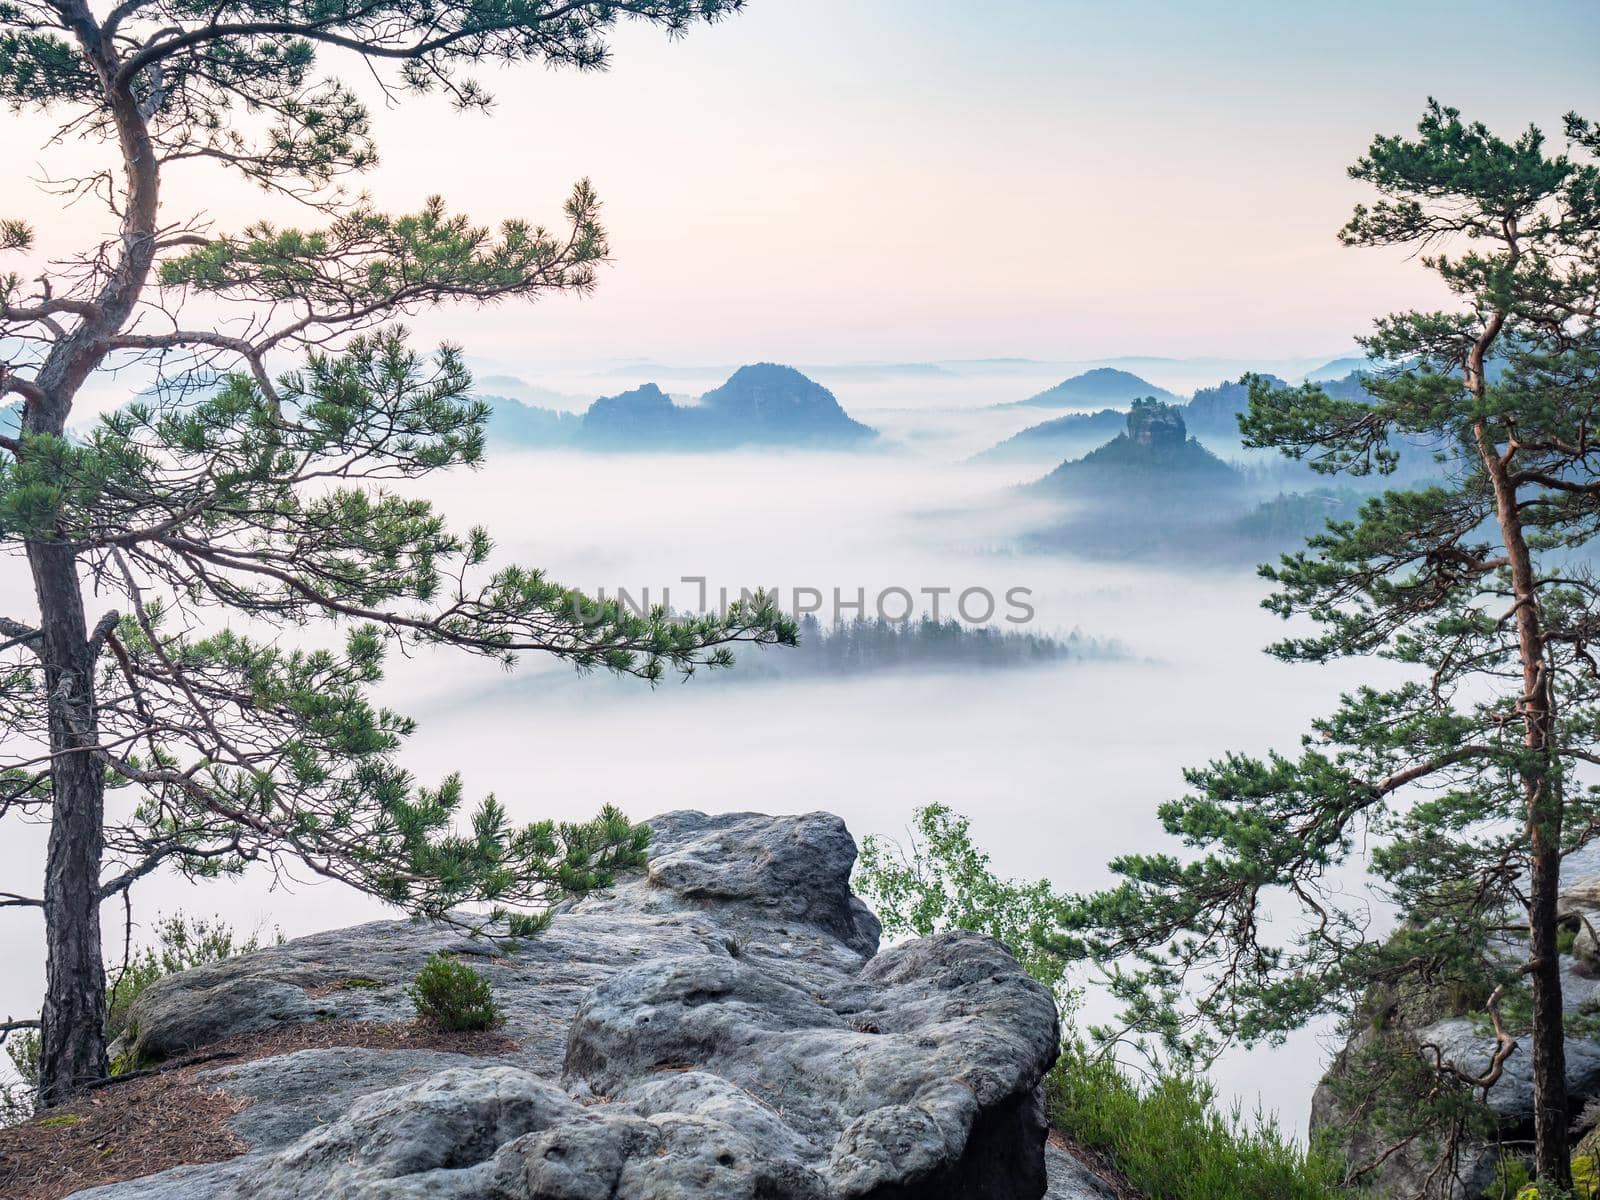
817	181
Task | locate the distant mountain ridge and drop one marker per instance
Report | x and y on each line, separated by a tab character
1215	410
1058	436
1339	368
783	402
1154	491
762	404
1103	386
527	424
1213	413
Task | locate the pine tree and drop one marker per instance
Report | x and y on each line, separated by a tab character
252	491
1463	783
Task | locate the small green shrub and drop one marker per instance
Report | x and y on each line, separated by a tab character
1167	1136
944	881
181	942
453	996
1510	1178
1172	1141
16	1095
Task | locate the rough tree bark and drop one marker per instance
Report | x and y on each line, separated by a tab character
72	1034
72	1048
1541	799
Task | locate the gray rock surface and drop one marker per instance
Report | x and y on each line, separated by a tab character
1469	1044
721	1026
1071	1180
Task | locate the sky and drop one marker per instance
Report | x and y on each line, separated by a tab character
844	180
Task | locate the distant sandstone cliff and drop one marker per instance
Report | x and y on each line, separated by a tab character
760	405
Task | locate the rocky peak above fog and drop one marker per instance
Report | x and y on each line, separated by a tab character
763	404
1156	426
770	394
1154	457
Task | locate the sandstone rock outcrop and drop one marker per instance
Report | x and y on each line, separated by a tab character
721	1026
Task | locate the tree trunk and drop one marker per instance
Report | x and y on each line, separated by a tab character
1551	1119
1542	805
72	1050
1543	801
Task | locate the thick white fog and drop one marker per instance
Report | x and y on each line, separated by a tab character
1059	767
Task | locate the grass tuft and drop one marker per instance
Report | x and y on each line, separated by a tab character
1172	1142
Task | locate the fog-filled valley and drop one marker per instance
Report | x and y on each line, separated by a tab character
1132	654
799	600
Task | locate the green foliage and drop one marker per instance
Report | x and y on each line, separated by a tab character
945	882
369	258
17	1095
41	69
1403	1098
1585	1183
15	234
247	95
181	942
1472	582
1172	1142
253	501
1510	1179
1169	1138
237	501
526	925
453	996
